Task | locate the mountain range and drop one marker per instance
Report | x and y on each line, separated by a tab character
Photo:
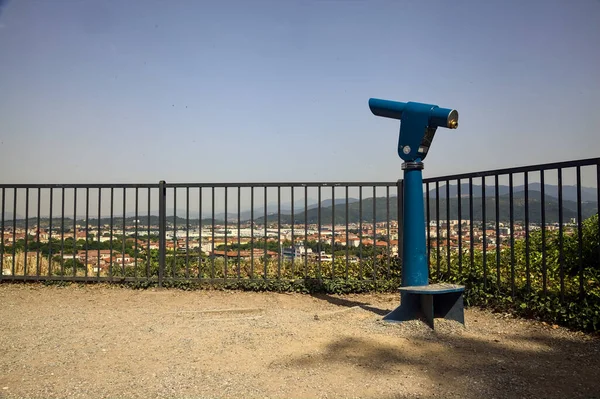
569	192
356	209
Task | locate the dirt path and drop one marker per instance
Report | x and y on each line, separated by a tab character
99	341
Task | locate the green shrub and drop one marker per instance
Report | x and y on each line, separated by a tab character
305	286
538	294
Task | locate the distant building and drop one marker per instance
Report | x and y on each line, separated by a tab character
324	257
296	251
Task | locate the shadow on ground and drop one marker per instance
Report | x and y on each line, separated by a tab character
349	303
470	364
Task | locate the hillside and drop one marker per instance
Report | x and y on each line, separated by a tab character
535	213
588	194
381	211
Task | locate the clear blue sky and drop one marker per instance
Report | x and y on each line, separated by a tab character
208	91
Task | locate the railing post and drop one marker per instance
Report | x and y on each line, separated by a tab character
162	227
400	189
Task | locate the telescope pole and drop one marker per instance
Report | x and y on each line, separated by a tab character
415	269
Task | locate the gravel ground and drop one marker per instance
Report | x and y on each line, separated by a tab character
103	341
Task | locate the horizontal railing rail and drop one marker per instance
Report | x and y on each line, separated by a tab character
81	185
284	184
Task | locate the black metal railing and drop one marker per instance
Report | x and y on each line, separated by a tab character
73	232
166	232
276	231
517	230
524	235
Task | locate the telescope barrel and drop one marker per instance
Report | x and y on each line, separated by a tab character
438	117
386	108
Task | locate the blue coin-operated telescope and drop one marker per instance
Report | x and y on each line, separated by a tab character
419	299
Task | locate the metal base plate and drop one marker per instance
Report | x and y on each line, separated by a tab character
428	302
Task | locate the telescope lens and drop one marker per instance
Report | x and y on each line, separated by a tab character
453	119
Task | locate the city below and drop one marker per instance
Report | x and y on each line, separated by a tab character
250	241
